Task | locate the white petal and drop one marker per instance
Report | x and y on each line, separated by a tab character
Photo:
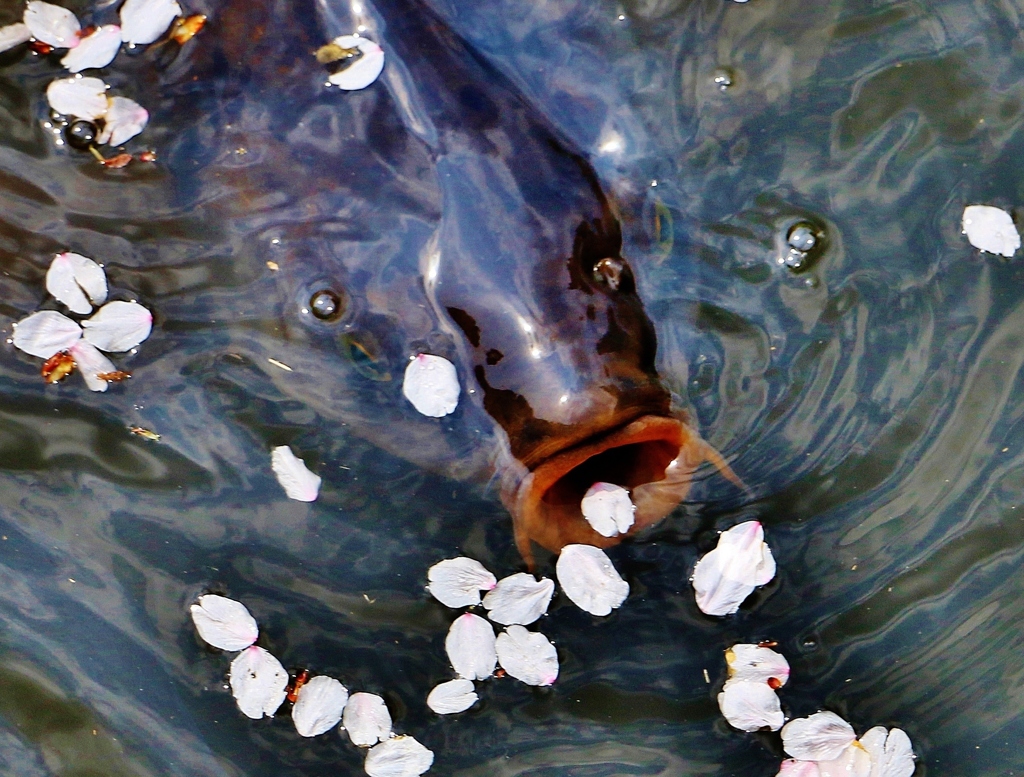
891	753
364	71
224	623
794	768
258	682
367	719
118	326
97	49
83	98
608	509
457	582
470	647
91	363
519	598
432	385
854	761
45	333
399	757
318	706
991	229
527	656
453	696
297	481
757	664
820	737
728	574
589	579
13	35
143	21
124	120
750	706
77	281
51	24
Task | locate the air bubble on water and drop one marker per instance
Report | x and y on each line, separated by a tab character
802	237
723	78
795	260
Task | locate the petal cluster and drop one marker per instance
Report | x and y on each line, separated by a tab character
86	98
825	745
727	575
748	700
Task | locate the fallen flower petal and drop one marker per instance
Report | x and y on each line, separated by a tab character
750	706
399	757
97	49
124	120
822	736
224	623
143	21
45	333
589	579
51	24
470	647
83	98
527	656
118	326
608	509
453	696
854	761
990	229
295	478
319	706
519	598
757	664
13	35
432	385
349	72
96	368
457	582
77	281
725	577
258	682
794	768
367	719
891	753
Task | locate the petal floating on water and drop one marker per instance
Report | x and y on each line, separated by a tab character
608	509
77	281
727	575
457	582
363	71
124	120
13	35
891	753
794	768
432	385
453	696
757	664
470	647
990	229
366	719
118	326
519	598
527	656
399	757
589	579
224	623
51	24
83	98
295	478
750	706
854	761
143	21
97	49
319	706
822	736
92	364
258	682
45	333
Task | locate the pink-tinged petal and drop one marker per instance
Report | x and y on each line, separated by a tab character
143	21
452	697
297	481
431	384
367	719
853	762
527	656
991	229
794	768
83	98
13	35
822	736
457	582
728	574
519	598
224	623
470	647
757	664
365	70
51	24
399	757
319	706
258	682
608	509
96	49
45	333
91	363
77	281
118	326
124	120
589	579
750	706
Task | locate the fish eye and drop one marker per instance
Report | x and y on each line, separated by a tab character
609	271
326	305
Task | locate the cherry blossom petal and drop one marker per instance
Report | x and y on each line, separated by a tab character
453	696
990	229
794	768
608	509
366	719
295	478
457	582
97	49
118	326
727	575
589	579
750	706
143	21
891	753
432	385
519	598
258	682
51	24
83	98
318	706
124	120
224	623
91	363
399	757
527	656
757	664
45	333
822	736
470	647
853	762
13	35
77	281
364	71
